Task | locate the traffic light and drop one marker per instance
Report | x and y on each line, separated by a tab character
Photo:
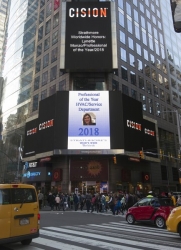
141	155
114	160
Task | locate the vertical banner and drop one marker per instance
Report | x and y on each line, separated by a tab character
89	125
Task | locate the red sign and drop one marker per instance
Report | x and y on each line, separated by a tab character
146	177
57	174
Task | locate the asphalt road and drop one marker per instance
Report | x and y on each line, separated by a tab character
72	230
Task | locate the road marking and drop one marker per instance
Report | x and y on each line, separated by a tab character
57	244
87	241
133	230
101	237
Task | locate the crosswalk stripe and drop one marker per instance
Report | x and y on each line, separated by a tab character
91	242
57	244
140	226
107	238
20	246
129	230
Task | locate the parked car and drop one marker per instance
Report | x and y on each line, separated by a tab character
19	213
152	210
173	222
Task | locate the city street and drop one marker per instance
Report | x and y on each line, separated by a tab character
79	230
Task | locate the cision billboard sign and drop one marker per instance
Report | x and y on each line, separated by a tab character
88	122
88	44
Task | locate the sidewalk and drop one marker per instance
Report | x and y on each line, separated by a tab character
47	208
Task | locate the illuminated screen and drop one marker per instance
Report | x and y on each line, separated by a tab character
88	44
89	126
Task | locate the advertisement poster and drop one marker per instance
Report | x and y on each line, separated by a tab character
88	36
89	125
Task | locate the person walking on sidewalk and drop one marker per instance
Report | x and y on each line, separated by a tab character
40	198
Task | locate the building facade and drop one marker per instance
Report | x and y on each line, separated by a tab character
148	70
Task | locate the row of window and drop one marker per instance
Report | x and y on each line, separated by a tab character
45	77
44	94
51	5
48	26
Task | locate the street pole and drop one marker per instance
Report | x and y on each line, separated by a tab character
19	156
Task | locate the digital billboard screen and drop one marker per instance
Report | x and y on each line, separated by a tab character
88	41
89	125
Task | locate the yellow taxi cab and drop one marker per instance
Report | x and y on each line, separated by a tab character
19	213
173	222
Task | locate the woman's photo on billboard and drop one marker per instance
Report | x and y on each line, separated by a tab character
88	119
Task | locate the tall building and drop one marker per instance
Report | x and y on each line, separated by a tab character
41	76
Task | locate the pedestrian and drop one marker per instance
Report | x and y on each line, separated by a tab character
103	203
117	206
112	203
40	198
178	203
71	201
123	202
172	197
88	202
57	202
93	203
51	200
76	202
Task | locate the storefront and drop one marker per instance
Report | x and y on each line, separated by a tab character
40	177
89	174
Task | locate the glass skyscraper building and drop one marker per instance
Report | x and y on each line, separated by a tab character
149	70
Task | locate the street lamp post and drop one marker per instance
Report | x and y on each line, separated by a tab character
19	156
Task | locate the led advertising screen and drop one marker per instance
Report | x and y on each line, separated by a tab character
31	137
88	41
89	125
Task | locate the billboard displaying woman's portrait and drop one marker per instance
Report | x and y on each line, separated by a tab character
89	119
